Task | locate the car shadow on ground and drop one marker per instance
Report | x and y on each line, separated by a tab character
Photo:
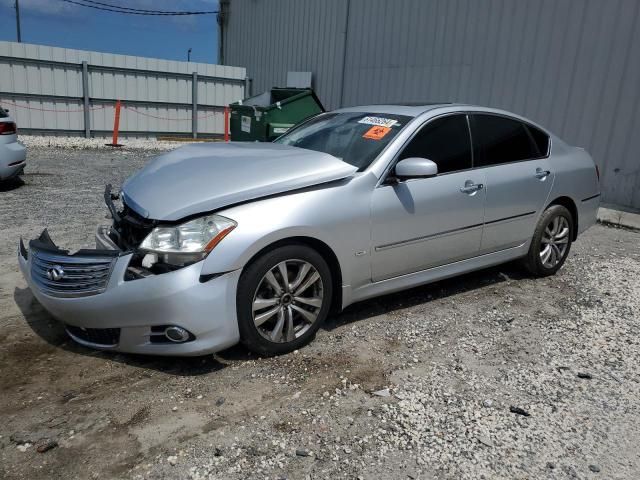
426	293
11	184
52	331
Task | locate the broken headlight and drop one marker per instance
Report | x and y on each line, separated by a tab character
186	243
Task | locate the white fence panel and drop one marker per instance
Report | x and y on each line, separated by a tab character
44	88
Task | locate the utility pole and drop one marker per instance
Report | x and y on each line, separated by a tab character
223	9
18	21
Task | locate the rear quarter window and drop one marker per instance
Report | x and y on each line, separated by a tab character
541	140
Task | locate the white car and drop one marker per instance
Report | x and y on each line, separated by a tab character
13	155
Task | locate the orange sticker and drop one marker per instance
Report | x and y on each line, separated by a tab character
376	133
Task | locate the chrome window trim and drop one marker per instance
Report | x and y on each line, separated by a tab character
468	113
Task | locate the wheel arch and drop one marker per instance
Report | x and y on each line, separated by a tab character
323	249
570	205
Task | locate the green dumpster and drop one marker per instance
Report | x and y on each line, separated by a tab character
267	116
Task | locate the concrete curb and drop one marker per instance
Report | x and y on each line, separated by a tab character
619	218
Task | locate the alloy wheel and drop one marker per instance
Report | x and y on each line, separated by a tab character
287	301
554	242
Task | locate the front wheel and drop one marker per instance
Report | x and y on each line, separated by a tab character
551	242
283	297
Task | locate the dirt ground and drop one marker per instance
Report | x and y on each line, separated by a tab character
489	375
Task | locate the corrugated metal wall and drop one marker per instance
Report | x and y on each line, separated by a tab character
572	65
155	88
277	36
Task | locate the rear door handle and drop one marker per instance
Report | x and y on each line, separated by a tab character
470	187
541	174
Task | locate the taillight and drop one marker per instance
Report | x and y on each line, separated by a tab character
598	172
7	128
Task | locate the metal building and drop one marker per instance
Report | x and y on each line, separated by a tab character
572	65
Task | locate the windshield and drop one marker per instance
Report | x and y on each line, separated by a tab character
354	137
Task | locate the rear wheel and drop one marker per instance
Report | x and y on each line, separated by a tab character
283	298
551	242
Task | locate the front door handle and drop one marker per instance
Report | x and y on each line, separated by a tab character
542	174
470	188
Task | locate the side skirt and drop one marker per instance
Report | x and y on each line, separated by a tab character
422	277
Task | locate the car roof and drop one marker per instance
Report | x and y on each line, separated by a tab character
408	109
414	110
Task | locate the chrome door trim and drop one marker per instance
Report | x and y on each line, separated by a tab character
448	232
512	217
426	237
591	197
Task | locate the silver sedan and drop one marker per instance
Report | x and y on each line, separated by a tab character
216	244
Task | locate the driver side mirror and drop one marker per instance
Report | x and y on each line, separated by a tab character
415	167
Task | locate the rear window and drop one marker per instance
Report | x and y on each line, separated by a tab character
3	113
354	137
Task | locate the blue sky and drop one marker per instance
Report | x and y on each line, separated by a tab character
60	24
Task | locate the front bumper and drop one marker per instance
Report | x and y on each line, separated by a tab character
207	308
13	158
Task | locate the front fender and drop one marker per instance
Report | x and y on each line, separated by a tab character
242	248
339	217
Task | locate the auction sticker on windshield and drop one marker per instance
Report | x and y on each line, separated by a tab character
379	121
376	133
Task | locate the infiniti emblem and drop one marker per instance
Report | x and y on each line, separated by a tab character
55	273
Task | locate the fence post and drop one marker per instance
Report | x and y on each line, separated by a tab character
194	108
116	126
226	124
85	96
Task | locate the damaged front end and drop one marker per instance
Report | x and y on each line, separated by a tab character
159	247
58	273
87	271
126	233
134	292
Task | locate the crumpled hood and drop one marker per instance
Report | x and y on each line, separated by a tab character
205	177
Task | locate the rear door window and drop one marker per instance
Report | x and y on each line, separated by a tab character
498	140
444	141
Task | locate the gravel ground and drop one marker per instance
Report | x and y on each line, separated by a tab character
127	144
489	375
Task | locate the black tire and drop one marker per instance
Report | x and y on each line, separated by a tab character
533	261
251	280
